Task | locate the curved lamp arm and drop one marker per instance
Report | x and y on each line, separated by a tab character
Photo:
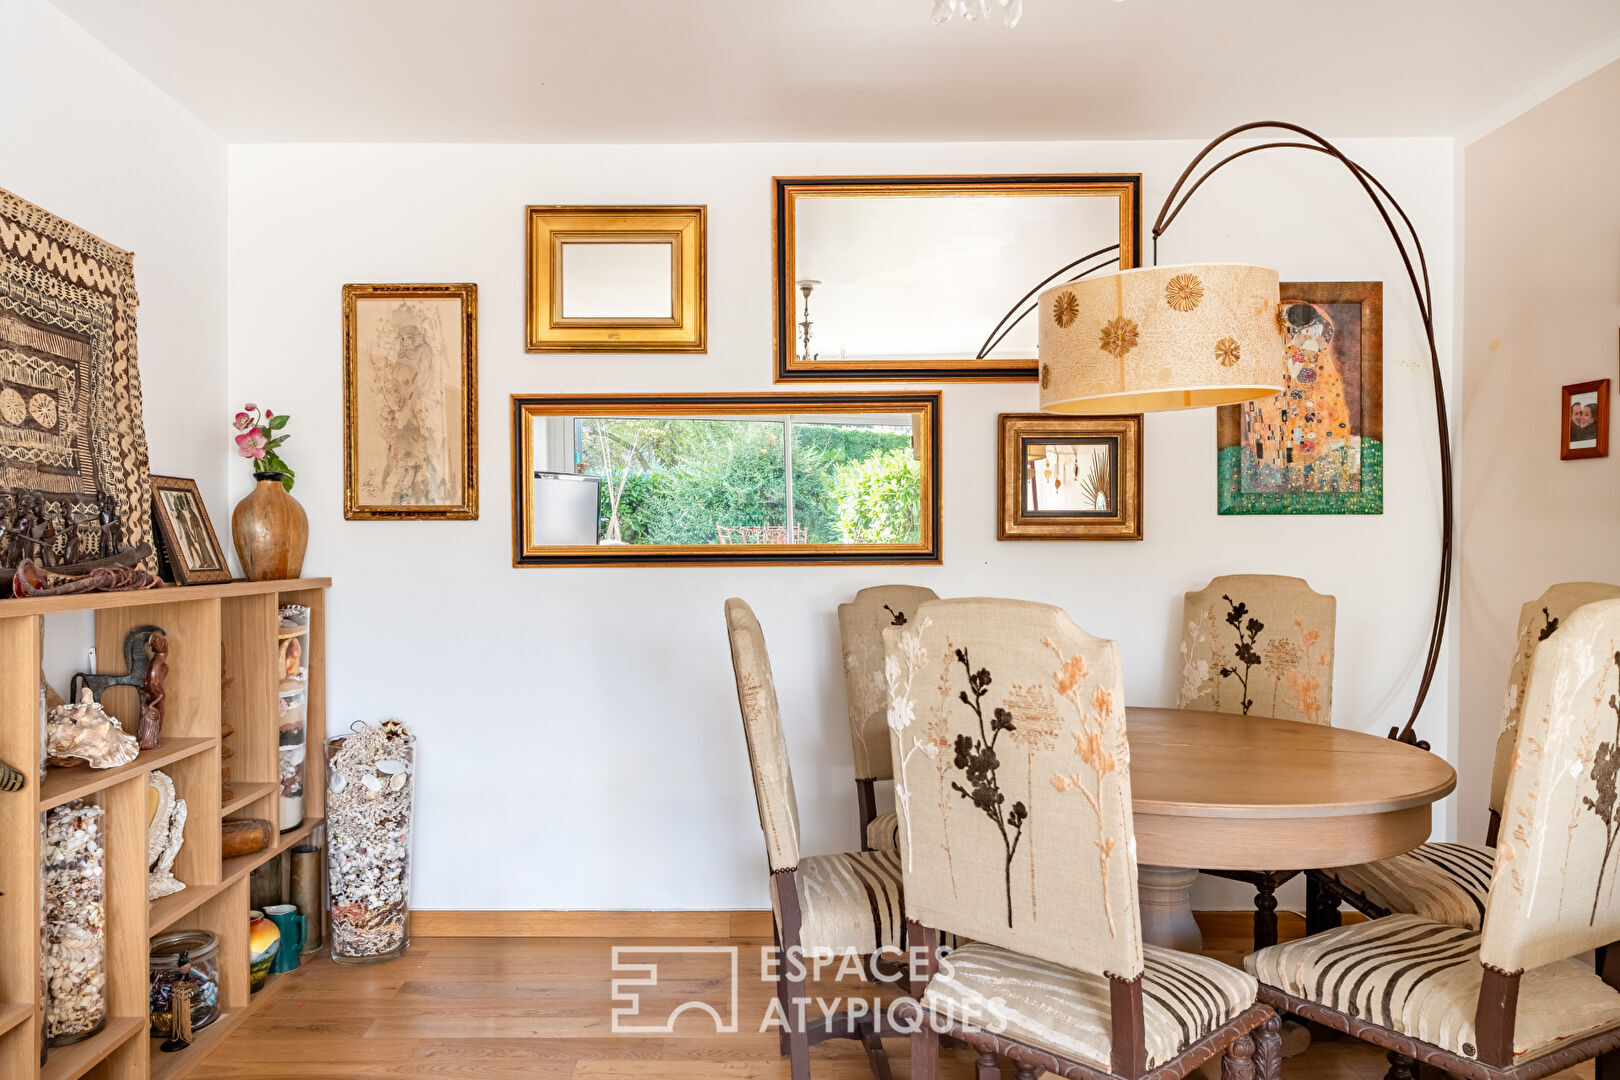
1418	276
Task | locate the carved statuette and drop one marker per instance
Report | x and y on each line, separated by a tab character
82	733
146	655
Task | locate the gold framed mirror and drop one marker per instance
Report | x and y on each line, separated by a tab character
616	279
909	277
725	479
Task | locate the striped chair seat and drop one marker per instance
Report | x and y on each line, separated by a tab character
849	902
1442	882
1421	978
1184	998
883	834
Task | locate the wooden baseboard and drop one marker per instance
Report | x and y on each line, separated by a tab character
723	924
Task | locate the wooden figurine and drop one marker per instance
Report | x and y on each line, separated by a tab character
146	655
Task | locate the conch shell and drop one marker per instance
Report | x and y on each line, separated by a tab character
82	733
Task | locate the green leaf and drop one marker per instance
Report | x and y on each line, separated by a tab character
275	442
276	423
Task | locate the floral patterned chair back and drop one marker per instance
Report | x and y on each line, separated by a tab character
861	623
1261	645
1538	621
1553	889
762	727
1012	779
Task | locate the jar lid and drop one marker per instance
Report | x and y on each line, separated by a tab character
167	947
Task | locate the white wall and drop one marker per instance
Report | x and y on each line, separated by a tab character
1543	301
85	137
579	728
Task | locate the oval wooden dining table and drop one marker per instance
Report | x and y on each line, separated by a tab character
1217	791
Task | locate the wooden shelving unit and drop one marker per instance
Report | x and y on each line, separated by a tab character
224	666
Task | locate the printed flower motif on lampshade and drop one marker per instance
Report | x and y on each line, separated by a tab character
1166	337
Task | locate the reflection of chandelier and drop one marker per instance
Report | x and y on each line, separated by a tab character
806	286
1011	11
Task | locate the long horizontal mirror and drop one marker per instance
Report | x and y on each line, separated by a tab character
910	277
725	478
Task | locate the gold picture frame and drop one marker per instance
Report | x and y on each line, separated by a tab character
190	549
534	463
1047	459
410	402
967	212
643	324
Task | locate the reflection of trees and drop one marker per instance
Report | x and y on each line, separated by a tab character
674	479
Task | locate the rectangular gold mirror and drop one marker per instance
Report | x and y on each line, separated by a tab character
909	277
728	479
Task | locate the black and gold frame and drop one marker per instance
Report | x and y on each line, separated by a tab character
908	277
1069	478
725	479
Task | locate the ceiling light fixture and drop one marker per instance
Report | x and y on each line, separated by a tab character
1009	10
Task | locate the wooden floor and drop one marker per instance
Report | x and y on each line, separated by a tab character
541	1008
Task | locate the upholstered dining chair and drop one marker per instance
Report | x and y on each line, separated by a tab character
825	905
861	623
1012	779
1259	645
1447	881
1507	1000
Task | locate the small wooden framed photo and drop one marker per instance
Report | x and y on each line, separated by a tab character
186	536
1584	420
616	279
1069	477
410	402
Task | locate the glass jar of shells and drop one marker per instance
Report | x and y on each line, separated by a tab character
292	707
75	923
183	958
370	777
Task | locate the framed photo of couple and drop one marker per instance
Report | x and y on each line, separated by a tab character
1584	420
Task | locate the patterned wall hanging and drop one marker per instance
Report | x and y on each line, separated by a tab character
73	458
1317	447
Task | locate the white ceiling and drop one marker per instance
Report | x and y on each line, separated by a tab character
794	70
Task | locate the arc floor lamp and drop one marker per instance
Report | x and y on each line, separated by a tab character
1178	337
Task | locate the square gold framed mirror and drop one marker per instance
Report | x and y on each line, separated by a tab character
725	479
920	277
616	279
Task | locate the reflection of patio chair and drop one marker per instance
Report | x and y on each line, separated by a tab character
761	534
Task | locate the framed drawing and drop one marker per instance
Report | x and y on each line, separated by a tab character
410	402
932	277
186	536
616	279
1317	447
725	479
1584	420
1069	478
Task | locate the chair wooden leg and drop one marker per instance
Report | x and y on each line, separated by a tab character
1607	1066
876	1056
1238	1061
1321	908
988	1067
1027	1072
1265	914
1400	1067
1268	1049
924	1051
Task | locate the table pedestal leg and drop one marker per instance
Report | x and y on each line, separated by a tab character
1165	893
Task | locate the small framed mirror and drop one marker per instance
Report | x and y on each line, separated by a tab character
616	279
921	277
725	479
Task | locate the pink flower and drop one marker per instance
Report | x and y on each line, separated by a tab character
242	422
250	444
268	414
250	407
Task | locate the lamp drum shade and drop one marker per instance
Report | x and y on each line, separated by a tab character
1162	337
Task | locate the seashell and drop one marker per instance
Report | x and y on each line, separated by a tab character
336	781
398	782
391	767
84	732
371	782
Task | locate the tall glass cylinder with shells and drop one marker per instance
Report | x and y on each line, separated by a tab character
371	775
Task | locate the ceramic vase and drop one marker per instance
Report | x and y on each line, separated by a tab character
270	531
264	941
